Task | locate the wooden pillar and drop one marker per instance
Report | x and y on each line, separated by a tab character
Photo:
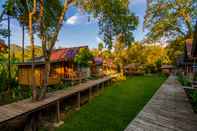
102	86
58	122
97	89
90	93
78	101
58	112
31	123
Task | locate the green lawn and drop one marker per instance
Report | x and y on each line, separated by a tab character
115	107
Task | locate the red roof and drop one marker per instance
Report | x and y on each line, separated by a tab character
65	53
58	54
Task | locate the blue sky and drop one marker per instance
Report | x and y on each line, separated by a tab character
77	30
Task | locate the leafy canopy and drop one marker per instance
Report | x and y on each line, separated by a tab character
114	18
170	18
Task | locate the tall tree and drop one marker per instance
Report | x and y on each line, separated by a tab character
170	18
32	12
49	31
114	18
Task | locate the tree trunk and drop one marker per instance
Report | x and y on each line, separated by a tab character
51	43
34	92
23	42
46	78
9	64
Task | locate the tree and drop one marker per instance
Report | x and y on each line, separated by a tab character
83	57
176	49
114	18
100	46
120	53
46	23
170	18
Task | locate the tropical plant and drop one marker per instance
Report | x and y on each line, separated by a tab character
83	57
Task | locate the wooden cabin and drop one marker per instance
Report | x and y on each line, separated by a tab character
25	74
62	68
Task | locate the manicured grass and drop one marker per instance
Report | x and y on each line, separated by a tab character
115	107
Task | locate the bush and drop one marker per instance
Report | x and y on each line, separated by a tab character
184	80
193	97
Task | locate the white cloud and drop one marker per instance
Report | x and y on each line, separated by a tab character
72	20
79	18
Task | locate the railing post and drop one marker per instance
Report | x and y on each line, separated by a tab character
90	93
97	90
78	101
58	111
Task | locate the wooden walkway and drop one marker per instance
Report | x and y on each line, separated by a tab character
17	109
168	110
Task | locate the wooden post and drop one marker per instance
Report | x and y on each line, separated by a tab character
102	86
78	101
31	123
97	89
90	93
58	122
58	112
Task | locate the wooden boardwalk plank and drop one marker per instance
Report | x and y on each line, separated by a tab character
16	109
168	110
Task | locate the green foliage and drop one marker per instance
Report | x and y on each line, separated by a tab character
193	97
114	18
83	57
115	107
150	56
184	80
176	49
100	46
170	18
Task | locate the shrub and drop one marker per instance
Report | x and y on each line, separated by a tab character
184	80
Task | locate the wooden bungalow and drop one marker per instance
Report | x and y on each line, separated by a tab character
62	68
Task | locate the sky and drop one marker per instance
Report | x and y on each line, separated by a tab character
77	30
